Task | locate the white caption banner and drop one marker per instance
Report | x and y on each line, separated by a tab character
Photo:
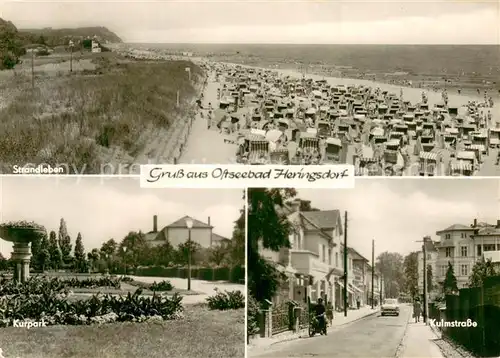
213	176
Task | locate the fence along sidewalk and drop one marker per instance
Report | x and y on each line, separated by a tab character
480	305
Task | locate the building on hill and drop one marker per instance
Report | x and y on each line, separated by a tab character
177	233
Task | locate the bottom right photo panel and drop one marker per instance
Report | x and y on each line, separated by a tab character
390	268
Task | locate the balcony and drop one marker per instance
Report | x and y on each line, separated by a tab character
308	263
494	256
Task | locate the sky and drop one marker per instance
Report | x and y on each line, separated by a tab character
396	213
271	21
105	208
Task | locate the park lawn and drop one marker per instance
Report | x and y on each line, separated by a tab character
202	333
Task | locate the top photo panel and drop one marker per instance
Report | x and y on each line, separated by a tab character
394	88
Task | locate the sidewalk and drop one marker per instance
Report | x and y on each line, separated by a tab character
419	342
338	320
206	288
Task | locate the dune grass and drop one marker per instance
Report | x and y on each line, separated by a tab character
202	333
73	118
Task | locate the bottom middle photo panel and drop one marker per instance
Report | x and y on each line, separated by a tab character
368	271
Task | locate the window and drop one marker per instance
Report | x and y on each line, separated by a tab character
323	253
489	247
443	270
429	257
479	252
463	235
337	259
329	256
449	251
464	270
463	251
447	236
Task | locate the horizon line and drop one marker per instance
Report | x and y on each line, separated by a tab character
307	44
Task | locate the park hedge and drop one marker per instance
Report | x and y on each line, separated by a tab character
235	274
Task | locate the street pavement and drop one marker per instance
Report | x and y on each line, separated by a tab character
373	336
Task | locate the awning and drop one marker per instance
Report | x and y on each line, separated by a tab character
431	156
461	167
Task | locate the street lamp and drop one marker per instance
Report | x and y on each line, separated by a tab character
189	224
71	46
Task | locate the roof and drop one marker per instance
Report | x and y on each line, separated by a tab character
486	231
181	223
357	255
219	238
455	227
327	219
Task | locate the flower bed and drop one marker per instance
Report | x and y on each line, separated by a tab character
47	300
37	285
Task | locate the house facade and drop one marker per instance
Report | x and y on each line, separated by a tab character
178	233
463	246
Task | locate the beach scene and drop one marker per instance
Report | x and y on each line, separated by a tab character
96	101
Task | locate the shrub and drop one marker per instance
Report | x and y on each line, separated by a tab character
253	316
161	286
222	274
237	274
57	308
227	300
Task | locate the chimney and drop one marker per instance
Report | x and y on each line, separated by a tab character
155	223
209	221
498	224
475	223
296	205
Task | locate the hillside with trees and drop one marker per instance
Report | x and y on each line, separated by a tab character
60	37
13	42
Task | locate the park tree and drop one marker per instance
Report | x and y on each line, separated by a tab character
184	249
218	254
55	252
137	248
268	228
410	269
93	257
450	286
481	270
64	241
43	258
109	248
80	262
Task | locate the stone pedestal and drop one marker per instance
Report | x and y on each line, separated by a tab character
21	256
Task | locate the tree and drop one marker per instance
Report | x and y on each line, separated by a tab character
64	241
137	248
165	254
183	251
269	229
480	271
410	268
4	263
55	252
43	258
236	249
93	257
109	248
218	254
80	254
429	279
390	265
450	281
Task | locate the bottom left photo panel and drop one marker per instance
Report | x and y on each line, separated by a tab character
99	267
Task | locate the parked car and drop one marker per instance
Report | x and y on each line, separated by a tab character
390	307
